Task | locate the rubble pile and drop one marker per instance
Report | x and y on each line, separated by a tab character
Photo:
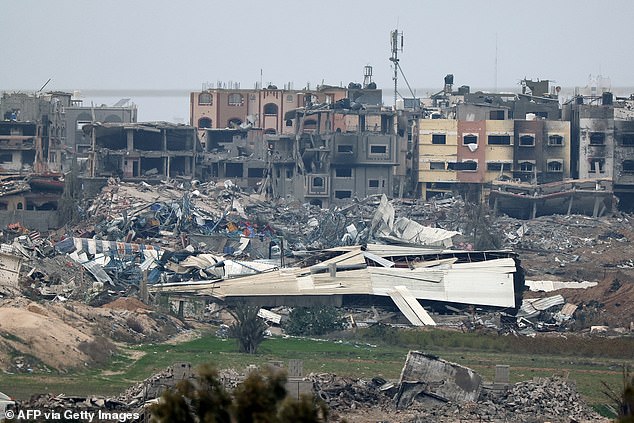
61	403
554	397
342	393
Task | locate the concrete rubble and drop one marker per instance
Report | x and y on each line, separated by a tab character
541	399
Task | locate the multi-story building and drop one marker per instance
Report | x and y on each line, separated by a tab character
463	156
263	108
602	130
61	119
142	150
77	115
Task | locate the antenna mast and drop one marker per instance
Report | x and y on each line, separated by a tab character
396	41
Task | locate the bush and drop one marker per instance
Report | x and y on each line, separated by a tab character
309	321
248	329
262	397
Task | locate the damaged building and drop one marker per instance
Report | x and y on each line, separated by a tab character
141	150
603	141
322	146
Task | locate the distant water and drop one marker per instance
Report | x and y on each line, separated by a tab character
172	105
152	105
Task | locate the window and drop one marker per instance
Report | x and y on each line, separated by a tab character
628	139
343	194
235	99
437	165
597	138
499	167
343	172
499	140
6	157
289	98
234	170
439	139
496	115
373	183
466	166
378	149
555	140
205	99
527	141
204	122
255	172
289	122
318	181
597	166
344	148
555	166
526	166
469	139
234	123
289	174
628	166
270	109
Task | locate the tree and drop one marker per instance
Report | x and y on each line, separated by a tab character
248	329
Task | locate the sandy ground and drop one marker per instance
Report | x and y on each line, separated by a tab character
68	335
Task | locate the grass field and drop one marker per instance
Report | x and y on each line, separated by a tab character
360	357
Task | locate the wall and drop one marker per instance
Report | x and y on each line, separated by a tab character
40	220
497	153
465	154
437	153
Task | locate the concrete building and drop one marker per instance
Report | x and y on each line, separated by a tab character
464	156
77	115
262	108
602	144
325	167
143	150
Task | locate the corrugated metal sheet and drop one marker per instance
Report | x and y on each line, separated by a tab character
410	307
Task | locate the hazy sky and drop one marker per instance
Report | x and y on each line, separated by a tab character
157	44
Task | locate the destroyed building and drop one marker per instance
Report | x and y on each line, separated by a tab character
603	141
319	146
142	150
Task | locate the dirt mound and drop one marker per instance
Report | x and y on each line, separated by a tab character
60	336
126	303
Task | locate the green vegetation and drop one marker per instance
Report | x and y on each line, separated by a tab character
314	321
248	329
262	397
378	351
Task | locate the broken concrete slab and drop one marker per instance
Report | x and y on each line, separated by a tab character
426	376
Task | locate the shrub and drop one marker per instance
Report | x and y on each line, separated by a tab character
248	329
308	321
262	397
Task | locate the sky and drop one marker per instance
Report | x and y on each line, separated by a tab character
159	44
